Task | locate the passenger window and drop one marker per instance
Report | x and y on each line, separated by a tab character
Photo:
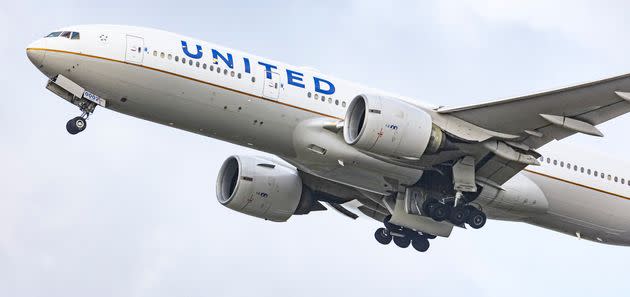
343	104
623	180
589	172
232	74
205	66
337	103
190	62
616	179
155	53
582	169
316	96
225	71
211	67
574	167
323	98
253	79
309	95
219	70
555	162
561	163
239	76
197	64
170	56
75	36
184	60
602	175
176	58
548	160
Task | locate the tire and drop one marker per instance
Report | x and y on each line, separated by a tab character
70	128
402	242
420	244
457	216
439	212
382	236
477	219
469	209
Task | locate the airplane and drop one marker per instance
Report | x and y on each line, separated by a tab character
420	170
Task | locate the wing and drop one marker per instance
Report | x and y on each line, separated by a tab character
540	118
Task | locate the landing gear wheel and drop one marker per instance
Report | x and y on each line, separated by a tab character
76	125
477	219
457	216
420	244
438	211
383	236
402	242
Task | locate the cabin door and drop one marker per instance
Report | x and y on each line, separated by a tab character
135	49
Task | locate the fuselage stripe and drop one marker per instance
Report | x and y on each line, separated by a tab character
577	184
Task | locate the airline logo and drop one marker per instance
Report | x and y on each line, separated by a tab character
294	78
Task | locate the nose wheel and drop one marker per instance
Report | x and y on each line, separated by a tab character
76	125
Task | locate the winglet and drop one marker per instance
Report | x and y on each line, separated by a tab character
572	124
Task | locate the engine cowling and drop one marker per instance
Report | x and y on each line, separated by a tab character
390	127
262	188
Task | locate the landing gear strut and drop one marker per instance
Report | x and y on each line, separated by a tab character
402	237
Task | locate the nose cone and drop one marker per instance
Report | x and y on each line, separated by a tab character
36	52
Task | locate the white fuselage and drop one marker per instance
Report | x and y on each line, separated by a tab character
258	103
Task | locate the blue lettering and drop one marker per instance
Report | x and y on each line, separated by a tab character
198	55
229	61
295	78
329	91
268	68
247	67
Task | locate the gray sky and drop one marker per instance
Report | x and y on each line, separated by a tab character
128	208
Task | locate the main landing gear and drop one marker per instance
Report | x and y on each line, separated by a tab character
457	215
402	237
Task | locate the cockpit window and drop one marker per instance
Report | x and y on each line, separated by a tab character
66	34
54	34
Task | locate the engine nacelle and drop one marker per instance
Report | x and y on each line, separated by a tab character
390	127
262	188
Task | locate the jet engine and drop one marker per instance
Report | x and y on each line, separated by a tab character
390	127
262	188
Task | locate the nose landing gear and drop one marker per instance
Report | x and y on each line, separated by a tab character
76	125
